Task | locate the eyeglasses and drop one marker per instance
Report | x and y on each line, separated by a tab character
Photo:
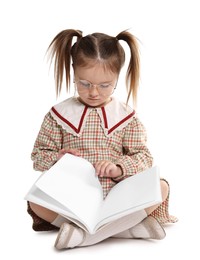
84	85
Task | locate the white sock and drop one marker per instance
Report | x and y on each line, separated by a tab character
149	228
138	231
114	227
71	236
59	220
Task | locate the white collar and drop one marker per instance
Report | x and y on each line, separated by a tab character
72	115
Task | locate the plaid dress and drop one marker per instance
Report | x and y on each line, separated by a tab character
112	133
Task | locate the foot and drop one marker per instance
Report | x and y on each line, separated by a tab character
149	228
69	236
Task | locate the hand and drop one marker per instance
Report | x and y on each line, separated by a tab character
71	151
107	169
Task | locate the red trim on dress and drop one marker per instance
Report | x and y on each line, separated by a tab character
82	118
104	117
68	123
120	122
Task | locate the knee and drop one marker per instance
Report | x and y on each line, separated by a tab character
35	208
42	212
164	189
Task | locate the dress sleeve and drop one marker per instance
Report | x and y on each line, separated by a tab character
137	156
47	144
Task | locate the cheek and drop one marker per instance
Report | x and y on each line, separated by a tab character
82	95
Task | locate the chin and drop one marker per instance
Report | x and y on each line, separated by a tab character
94	102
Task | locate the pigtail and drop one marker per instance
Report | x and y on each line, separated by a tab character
133	71
60	49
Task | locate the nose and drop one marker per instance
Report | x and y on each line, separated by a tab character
93	91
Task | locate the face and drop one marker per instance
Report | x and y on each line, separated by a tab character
95	85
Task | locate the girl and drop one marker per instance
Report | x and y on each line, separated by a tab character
95	125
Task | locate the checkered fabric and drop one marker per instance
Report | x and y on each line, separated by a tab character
126	148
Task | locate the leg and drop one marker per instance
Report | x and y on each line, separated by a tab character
161	213
43	213
39	224
50	215
149	227
45	219
164	192
71	236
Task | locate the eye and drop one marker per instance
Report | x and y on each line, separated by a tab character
105	85
84	83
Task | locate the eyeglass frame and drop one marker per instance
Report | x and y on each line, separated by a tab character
98	86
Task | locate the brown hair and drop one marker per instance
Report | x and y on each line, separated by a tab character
93	48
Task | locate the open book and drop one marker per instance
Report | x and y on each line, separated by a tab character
72	189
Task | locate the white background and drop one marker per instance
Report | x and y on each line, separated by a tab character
168	106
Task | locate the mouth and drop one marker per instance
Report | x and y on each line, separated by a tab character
93	99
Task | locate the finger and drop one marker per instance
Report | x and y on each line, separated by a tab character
103	168
109	168
63	151
97	167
